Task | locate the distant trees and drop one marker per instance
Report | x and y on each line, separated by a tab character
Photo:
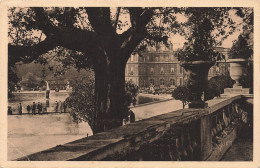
31	81
12	81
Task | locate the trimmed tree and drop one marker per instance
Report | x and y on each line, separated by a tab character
183	94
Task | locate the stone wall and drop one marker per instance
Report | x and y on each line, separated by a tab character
181	135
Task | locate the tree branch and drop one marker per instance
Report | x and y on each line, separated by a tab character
28	54
117	16
134	35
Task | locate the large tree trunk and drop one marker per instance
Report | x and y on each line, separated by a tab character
110	107
101	93
116	88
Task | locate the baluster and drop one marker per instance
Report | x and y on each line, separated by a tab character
218	124
228	114
220	121
183	151
214	126
225	118
189	148
178	149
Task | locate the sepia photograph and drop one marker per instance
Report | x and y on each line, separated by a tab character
139	83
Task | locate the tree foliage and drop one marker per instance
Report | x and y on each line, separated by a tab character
183	94
216	86
241	48
30	81
205	29
82	101
12	81
247	79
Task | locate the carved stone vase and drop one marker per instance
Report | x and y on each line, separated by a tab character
236	70
197	73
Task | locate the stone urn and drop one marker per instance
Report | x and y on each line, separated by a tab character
236	70
197	79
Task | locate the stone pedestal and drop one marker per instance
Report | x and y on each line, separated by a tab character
236	90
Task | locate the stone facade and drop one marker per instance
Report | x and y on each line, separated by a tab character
160	68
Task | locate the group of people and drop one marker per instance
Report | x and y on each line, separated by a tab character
34	108
29	108
39	108
60	107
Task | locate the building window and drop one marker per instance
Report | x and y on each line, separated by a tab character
162	70
171	57
181	81
166	58
162	58
132	71
152	70
181	70
172	69
152	81
172	82
161	82
132	58
211	71
217	69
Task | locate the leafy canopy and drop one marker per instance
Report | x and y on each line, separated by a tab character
240	48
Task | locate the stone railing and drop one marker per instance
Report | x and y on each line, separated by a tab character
182	135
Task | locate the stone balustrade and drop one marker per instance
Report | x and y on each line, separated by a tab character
182	135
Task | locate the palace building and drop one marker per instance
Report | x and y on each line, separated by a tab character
161	68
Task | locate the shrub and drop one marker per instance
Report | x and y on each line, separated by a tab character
216	86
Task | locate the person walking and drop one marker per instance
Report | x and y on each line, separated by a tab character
60	106
64	107
20	109
57	106
33	108
39	107
28	108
